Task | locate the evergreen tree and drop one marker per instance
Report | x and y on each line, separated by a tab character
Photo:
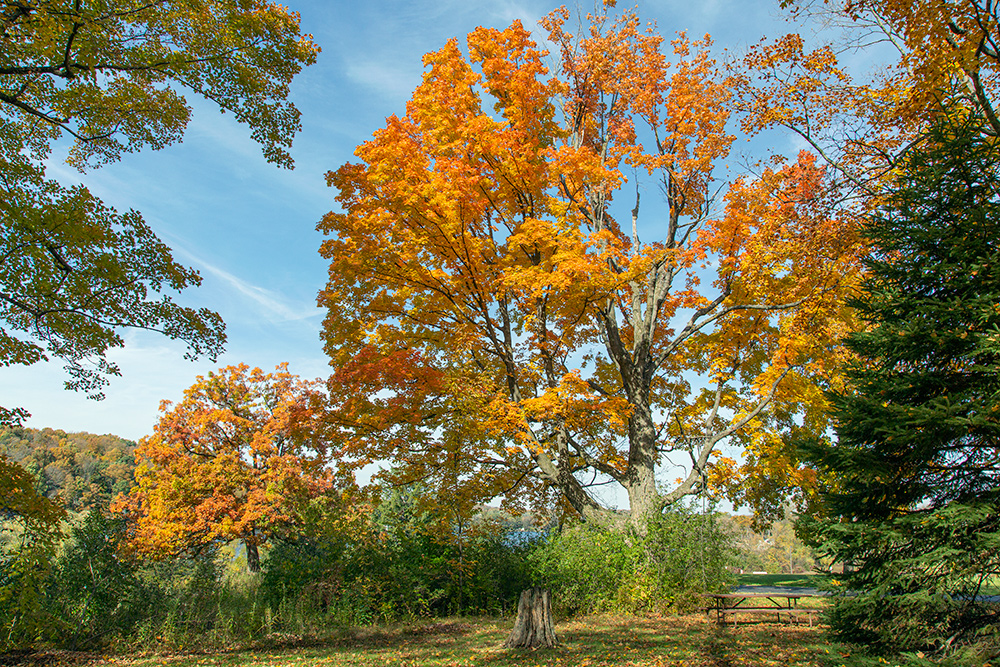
913	497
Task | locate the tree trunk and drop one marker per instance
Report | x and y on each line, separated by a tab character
533	627
253	558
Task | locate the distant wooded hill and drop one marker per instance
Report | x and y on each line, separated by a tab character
79	470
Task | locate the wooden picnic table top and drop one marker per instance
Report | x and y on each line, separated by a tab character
724	596
746	601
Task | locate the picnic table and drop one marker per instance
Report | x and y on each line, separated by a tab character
763	601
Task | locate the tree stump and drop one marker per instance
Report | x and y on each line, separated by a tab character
533	627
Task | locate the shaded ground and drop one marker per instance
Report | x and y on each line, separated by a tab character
688	641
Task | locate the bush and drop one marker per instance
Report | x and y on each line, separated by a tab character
690	553
308	570
98	597
395	561
591	569
588	568
29	533
498	569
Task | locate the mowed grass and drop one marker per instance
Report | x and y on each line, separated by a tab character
795	580
625	641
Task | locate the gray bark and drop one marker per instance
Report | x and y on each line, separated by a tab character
534	626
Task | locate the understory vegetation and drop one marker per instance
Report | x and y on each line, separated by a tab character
349	560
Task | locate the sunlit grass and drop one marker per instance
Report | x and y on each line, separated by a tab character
797	580
685	641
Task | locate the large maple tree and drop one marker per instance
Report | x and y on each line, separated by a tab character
505	319
233	460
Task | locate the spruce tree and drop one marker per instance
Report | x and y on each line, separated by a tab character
913	495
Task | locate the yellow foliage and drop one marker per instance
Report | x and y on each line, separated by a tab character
497	323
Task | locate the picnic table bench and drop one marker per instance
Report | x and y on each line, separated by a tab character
761	603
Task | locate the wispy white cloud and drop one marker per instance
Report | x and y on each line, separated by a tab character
389	80
265	298
274	306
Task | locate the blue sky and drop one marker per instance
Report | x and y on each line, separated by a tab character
249	227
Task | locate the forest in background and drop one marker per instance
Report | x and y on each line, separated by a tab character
80	470
354	558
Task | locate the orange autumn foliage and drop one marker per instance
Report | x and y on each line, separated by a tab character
934	58
943	58
233	460
502	326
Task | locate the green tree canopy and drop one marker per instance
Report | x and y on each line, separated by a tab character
913	499
109	76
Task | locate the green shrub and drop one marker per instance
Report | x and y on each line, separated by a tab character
29	534
689	553
591	569
498	569
99	597
398	562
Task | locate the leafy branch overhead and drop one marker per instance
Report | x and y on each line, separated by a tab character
940	53
508	311
110	76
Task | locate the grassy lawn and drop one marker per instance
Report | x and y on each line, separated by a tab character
991	587
688	641
797	580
